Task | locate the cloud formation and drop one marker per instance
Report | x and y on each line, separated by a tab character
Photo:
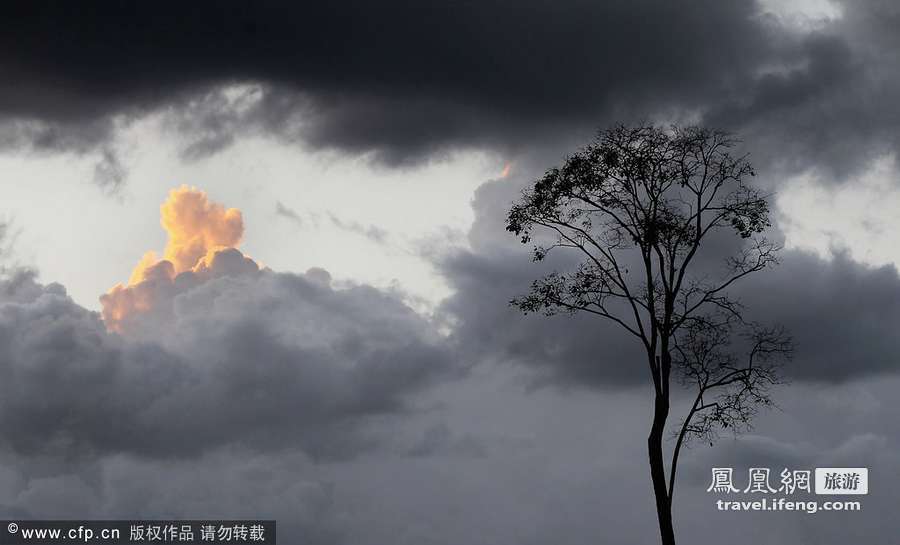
209	383
197	227
202	350
372	232
199	233
245	383
266	361
839	311
407	82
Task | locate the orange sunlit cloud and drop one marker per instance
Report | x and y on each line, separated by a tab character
197	229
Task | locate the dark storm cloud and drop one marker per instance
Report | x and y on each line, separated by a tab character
578	471
840	313
492	465
439	440
265	361
410	80
833	106
570	349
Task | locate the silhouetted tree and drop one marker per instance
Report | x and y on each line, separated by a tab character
639	205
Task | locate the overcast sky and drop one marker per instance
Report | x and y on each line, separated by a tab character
329	182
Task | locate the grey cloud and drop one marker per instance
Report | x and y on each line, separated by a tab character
408	82
109	172
584	475
372	232
285	212
228	483
576	472
840	312
209	121
266	361
575	350
439	440
91	138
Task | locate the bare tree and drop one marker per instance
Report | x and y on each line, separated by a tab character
639	205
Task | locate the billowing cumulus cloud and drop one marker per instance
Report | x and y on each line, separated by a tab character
204	349
199	234
196	227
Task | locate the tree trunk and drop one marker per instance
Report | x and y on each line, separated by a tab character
658	470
